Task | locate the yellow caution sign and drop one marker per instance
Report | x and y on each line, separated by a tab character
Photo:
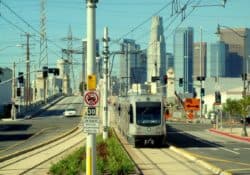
91	84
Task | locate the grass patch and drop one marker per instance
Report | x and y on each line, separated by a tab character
111	159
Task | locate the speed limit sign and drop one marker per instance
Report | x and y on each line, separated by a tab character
91	111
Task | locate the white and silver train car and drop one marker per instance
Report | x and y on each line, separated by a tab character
140	119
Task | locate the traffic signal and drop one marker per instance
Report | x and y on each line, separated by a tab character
20	77
54	71
217	97
201	78
180	82
202	92
18	92
165	79
155	78
194	94
45	71
244	76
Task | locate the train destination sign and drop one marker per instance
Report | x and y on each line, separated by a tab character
91	98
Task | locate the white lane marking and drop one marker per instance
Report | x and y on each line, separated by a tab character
225	149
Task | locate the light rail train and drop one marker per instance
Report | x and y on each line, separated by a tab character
140	119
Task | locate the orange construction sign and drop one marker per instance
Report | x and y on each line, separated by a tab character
192	104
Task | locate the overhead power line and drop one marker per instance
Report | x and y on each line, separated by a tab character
27	23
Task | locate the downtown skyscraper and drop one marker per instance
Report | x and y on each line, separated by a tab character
132	64
238	41
183	58
156	53
216	59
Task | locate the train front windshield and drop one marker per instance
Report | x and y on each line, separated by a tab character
148	113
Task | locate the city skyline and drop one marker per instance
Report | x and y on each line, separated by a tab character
134	25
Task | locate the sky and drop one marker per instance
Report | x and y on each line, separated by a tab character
124	18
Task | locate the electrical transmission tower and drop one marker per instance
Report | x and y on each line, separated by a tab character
43	60
69	52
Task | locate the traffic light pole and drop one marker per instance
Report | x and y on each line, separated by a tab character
13	100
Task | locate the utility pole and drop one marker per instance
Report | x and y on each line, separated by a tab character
13	100
201	107
106	81
27	82
91	56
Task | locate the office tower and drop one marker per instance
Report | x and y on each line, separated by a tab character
199	60
238	40
183	58
132	64
216	59
156	53
169	61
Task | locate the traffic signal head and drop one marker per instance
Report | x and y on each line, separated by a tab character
20	77
54	71
18	92
202	92
165	79
217	97
45	71
244	76
180	82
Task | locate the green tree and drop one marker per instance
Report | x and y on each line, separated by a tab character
232	107
245	104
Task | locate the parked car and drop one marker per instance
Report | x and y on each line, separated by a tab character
70	112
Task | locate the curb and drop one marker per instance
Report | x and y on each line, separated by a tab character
203	163
230	135
4	158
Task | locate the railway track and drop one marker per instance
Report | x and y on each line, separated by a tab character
32	161
160	161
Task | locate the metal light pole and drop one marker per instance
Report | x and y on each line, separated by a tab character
91	56
106	81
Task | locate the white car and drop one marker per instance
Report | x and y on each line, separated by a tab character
69	112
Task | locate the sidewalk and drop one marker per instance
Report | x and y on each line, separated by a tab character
235	133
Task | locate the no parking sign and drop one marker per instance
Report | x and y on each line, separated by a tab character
91	98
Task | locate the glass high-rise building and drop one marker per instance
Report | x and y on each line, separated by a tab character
216	59
238	41
133	63
183	58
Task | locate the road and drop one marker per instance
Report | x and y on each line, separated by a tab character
226	153
22	134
